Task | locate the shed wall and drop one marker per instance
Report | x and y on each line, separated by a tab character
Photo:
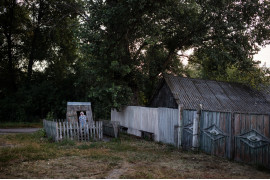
164	98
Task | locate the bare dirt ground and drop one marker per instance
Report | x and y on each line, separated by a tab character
32	156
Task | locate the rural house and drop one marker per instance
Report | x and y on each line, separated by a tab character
224	119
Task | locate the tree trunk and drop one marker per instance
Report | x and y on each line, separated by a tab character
34	44
8	34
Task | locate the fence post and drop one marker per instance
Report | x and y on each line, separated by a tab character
181	125
196	129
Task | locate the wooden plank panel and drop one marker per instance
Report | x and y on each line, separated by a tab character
237	129
253	121
259	124
248	122
242	123
266	126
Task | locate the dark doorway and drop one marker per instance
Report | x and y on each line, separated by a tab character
78	114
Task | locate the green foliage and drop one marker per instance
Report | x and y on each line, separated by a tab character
113	53
33	35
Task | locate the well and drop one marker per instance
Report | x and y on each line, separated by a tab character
74	109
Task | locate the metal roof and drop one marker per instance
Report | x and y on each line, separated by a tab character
218	96
79	103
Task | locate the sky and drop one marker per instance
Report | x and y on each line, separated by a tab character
264	56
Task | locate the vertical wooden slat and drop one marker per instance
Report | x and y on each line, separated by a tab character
84	132
78	131
90	128
101	130
70	129
56	128
94	130
73	130
98	130
64	129
87	131
266	126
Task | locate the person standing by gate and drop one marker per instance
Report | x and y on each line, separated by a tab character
82	119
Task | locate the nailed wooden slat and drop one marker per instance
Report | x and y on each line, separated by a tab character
71	129
61	134
78	131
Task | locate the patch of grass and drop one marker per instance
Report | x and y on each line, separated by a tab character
25	153
33	155
106	158
67	142
5	125
88	146
120	145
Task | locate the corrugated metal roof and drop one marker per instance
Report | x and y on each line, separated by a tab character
218	96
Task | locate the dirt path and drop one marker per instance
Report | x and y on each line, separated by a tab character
18	130
116	173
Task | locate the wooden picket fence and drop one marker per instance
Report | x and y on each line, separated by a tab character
61	129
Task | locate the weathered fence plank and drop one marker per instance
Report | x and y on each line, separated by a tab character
60	129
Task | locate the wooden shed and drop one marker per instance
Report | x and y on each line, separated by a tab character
74	109
224	119
233	121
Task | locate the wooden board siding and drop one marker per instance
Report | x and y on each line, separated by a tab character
167	120
159	121
137	119
188	117
59	130
246	150
224	134
216	144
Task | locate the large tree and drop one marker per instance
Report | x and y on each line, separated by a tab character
133	42
38	50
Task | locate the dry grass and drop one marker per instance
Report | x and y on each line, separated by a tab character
33	156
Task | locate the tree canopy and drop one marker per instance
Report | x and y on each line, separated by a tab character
114	52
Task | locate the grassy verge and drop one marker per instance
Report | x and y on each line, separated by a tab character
5	125
34	156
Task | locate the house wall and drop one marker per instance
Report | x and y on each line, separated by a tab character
164	98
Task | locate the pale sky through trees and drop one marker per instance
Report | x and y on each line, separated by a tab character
264	56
